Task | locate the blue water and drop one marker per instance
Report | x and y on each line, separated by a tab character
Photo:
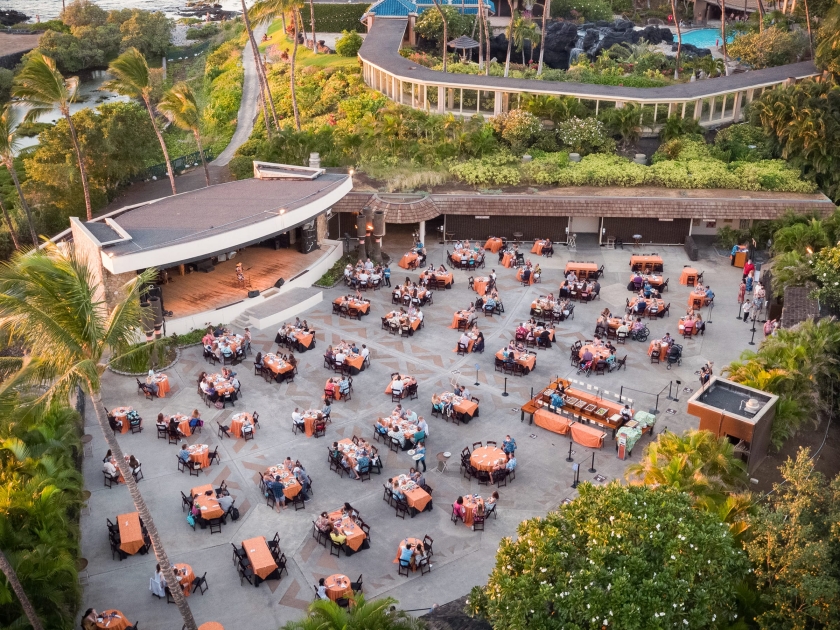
703	37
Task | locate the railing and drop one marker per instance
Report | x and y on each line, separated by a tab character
159	170
711	102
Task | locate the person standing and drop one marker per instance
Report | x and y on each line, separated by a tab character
748	268
742	291
747	309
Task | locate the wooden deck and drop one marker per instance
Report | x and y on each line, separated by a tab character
197	291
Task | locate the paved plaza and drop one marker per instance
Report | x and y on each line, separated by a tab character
462	558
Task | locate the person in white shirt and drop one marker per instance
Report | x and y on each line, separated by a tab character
466	393
365	352
158	583
297	418
340	357
571	277
369	265
419	315
225	502
493	275
364	277
465	340
397	387
423	425
109	468
322	590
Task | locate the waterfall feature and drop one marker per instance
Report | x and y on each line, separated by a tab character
574	54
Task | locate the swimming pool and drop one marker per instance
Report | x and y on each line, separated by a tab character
703	37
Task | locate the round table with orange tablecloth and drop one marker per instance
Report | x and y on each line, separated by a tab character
337	586
480	284
120	413
462	315
336	390
162	381
470	505
660	304
486	457
211	625
118	622
185	576
598	352
507	259
183	423
221	384
200	453
538	247
493	244
407	260
530	278
694	329
698	297
291	486
655	345
406	541
688	272
276	364
239	421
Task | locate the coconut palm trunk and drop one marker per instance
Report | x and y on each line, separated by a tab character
679	38
723	28
159	135
445	31
485	21
11	226
810	37
10	165
9	571
511	4
292	70
201	153
265	90
312	20
546	11
65	111
142	509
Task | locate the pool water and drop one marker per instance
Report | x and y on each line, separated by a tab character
703	37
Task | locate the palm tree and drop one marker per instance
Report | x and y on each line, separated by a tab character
8	219
546	11
312	19
485	21
9	572
51	305
679	38
723	28
179	106
265	12
265	89
41	87
362	615
445	31
132	79
8	147
512	4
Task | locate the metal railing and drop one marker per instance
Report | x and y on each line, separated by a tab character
179	163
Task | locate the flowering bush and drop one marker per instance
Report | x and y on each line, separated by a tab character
584	135
517	127
616	557
827	272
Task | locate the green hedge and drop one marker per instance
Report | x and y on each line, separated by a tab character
334	18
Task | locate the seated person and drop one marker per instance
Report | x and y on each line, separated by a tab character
396	433
638	325
297	419
557	400
184	454
586	358
322	590
667	339
337	537
323	523
275	487
407	556
626	413
437	404
478	346
398	494
209	391
362	464
611	360
344	386
458	507
109	467
195	420
623	329
174	429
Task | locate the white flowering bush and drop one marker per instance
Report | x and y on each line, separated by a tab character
622	557
585	135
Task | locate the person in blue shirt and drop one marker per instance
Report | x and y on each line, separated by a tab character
407	555
421	450
490	303
509	444
386	276
710	295
557	400
395	488
511	462
647	289
184	454
362	463
276	488
344	385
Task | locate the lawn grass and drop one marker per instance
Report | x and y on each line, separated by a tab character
305	57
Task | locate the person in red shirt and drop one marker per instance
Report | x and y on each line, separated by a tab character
748	268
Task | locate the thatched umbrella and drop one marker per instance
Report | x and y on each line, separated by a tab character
464	43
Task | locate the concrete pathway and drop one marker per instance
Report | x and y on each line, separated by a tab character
249	106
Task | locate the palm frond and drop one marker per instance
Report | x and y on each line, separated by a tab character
131	75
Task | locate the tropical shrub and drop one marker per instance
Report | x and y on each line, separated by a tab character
430	26
202	32
682	149
584	136
828	37
223	76
336	17
517	128
616	556
545	169
827	274
497	170
348	44
742	143
676	127
770	47
589	10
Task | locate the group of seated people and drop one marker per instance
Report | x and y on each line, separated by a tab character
299	418
333	383
588	361
109	465
366	455
286	358
274	483
368	273
528	331
221	348
478	343
646	290
412	555
560	308
489	302
221	495
548	247
693	322
447	407
531	270
390	426
588	289
208	385
324	524
411	289
399	384
430	273
481	509
403	317
173	426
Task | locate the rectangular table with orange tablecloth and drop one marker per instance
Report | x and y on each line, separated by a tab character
120	414
200	454
524	359
587	436
276	365
208	505
359	305
355	537
645	261
446	278
493	244
258	553
131	534
466	406
355	361
238	421
459	316
304	339
581	269
553	422
688	272
417	499
663	349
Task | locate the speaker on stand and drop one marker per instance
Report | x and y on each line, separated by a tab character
309	239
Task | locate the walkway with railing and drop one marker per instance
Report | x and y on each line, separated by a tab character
711	102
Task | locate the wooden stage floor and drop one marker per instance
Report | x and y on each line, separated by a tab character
198	291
